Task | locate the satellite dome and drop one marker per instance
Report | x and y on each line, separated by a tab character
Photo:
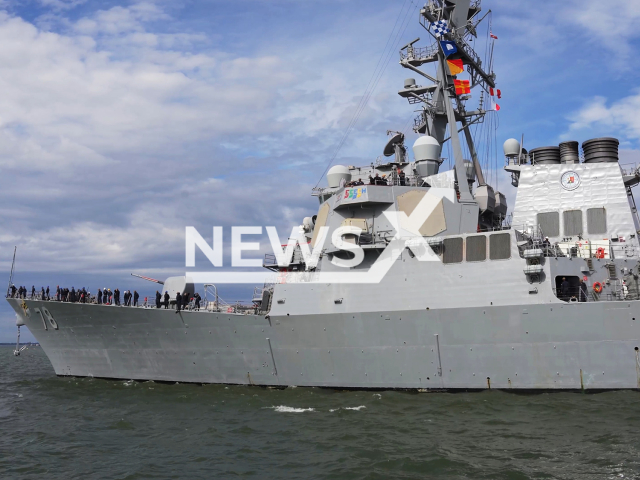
511	148
337	173
426	148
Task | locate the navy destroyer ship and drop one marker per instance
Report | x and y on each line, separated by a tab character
449	290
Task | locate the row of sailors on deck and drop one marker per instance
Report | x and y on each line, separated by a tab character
105	297
181	300
21	292
355	183
376	180
382	180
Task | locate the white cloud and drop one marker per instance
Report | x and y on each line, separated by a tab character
118	20
61	4
61	92
615	118
613	23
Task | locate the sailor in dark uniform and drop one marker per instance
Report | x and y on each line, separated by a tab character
401	176
166	300
178	301
185	299
564	289
196	297
583	291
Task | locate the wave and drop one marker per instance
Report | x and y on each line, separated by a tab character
357	409
285	409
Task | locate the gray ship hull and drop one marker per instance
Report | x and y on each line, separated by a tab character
538	346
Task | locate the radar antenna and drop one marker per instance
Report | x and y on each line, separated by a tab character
395	146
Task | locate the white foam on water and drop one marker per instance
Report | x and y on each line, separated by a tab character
377	395
285	409
357	409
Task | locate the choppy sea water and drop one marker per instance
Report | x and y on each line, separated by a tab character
86	428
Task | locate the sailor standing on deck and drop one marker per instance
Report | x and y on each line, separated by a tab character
99	296
185	300
196	297
564	289
166	300
583	291
158	299
136	296
178	301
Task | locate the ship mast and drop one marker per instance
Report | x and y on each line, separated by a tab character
442	106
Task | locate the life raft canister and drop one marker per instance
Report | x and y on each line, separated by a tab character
600	252
597	287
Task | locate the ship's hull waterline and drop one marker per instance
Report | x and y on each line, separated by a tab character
591	346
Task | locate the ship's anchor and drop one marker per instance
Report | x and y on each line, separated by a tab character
19	348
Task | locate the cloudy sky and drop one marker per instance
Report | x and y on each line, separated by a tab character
122	122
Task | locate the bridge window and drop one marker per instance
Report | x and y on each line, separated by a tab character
549	224
476	248
597	220
500	246
572	222
452	250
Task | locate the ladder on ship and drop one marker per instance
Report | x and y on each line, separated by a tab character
632	203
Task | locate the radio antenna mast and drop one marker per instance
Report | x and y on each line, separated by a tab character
13	264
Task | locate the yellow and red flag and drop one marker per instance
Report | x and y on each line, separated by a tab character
462	87
455	66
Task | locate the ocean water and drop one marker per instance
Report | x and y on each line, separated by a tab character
72	428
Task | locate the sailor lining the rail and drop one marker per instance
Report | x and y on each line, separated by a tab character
583	291
401	176
564	289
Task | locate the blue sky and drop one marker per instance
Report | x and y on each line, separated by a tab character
123	122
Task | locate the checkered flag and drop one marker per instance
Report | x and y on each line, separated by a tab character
440	28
